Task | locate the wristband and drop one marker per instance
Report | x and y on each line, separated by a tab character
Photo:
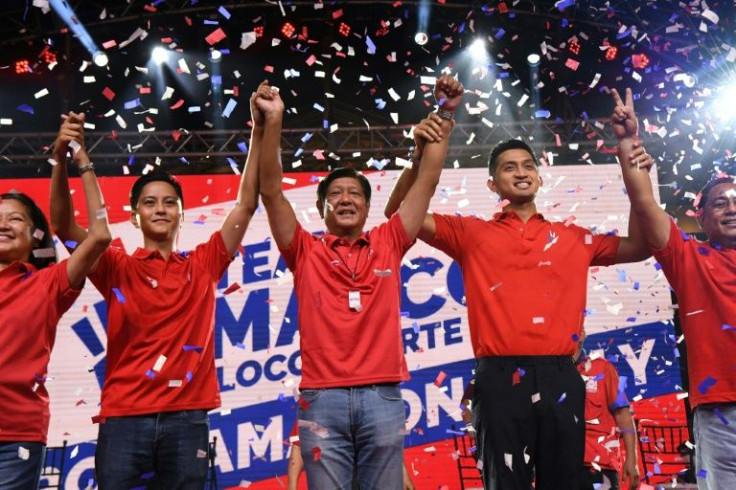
446	115
90	167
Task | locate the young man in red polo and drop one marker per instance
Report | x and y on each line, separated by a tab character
347	282
703	275
160	377
608	420
525	283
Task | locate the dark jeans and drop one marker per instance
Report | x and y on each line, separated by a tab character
528	413
166	451
591	477
20	469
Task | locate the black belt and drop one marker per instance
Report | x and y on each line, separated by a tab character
523	360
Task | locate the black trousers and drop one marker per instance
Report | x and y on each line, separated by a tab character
591	477
528	413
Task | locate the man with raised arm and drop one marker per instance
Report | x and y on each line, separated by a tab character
347	282
525	283
703	275
160	377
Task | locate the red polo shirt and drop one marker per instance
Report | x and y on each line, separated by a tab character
31	304
704	279
602	441
160	329
344	344
525	283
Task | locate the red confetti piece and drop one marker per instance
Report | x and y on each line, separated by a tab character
216	36
440	378
268	68
572	64
108	93
177	105
232	288
317	453
304	404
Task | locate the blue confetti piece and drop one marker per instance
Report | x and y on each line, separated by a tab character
657	266
542	114
189	376
195	348
706	384
223	11
701	474
415	327
521	372
131	104
216	80
720	416
405	314
455	432
703	251
562	398
148	476
229	108
150	373
621	399
499	34
242	146
565	22
198	222
575	338
281	397
325	124
380	103
684	236
26	108
636	285
307	137
622	275
726	326
370	45
240	345
209	22
70	244
118	295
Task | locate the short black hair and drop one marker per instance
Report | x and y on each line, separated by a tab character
156	176
341	172
39	223
705	191
512	144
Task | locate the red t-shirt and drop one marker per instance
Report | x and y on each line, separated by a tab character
525	283
31	304
602	441
160	329
344	344
704	279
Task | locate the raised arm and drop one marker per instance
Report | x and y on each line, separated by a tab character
86	250
625	423
654	224
416	186
281	216
62	208
234	227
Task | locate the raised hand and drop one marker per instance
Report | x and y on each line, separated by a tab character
71	135
623	119
448	93
266	101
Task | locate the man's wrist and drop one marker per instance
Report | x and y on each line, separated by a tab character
87	167
446	115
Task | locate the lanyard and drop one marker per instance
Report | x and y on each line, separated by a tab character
354	271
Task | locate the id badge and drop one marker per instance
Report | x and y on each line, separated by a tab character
354	300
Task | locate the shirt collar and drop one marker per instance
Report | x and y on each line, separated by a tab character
144	254
504	215
332	240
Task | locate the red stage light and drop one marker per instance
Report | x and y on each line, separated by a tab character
611	53
574	47
344	29
640	61
259	31
22	66
288	29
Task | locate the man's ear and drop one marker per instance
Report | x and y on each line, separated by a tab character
321	209
134	219
491	184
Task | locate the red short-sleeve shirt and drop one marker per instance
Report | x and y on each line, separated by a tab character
31	304
525	283
160	331
704	279
344	344
602	441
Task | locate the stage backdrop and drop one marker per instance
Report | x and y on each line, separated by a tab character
257	334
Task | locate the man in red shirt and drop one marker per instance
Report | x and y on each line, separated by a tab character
703	275
347	282
160	377
607	420
525	283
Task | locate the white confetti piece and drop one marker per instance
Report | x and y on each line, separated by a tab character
159	363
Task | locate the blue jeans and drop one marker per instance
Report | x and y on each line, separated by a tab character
17	473
166	450
715	446
353	430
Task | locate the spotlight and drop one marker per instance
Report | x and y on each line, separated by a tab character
574	46
344	29
288	29
215	55
611	53
421	38
533	59
259	31
159	55
22	66
478	48
640	61
100	59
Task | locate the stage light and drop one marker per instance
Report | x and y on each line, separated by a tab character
533	59
215	55
574	46
640	61
100	59
344	29
288	29
478	48
22	66
611	53
421	38
259	31
159	55
62	8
